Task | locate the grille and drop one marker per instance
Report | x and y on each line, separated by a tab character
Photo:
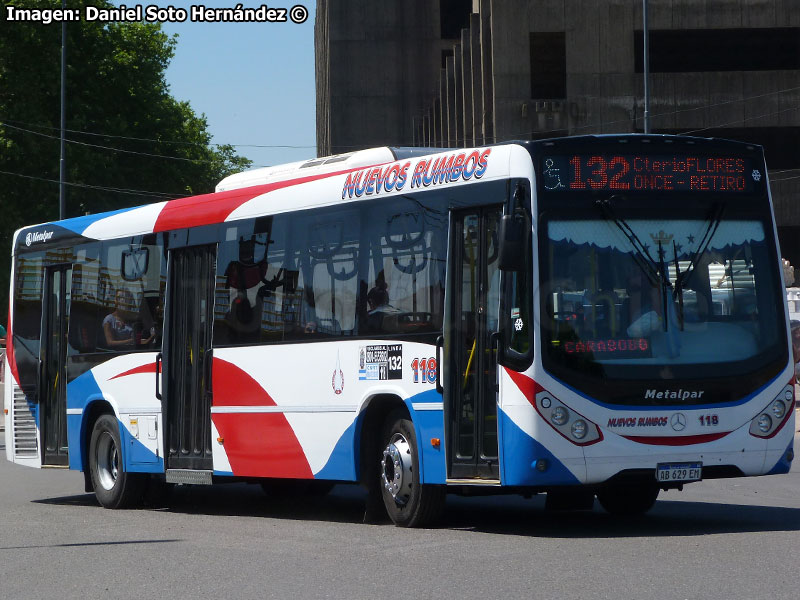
24	423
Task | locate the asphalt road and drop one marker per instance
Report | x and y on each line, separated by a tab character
725	539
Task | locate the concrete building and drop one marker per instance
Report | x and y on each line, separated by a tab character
452	73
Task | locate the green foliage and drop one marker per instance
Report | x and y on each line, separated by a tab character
115	85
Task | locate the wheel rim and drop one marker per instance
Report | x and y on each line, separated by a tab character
396	468
107	457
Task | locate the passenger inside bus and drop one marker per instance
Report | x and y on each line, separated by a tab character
120	327
378	305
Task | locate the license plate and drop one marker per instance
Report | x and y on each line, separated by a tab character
668	472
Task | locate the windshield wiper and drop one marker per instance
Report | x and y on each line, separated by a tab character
702	247
640	253
656	272
678	289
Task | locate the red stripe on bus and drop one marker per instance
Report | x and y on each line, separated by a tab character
257	444
682	440
145	368
206	209
526	385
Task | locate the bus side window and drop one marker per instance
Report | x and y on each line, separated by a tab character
84	306
129	304
332	263
403	291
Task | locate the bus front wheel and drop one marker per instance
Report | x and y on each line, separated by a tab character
113	486
408	502
627	500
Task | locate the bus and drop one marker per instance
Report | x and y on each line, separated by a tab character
586	317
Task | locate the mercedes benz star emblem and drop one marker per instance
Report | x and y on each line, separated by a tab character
678	421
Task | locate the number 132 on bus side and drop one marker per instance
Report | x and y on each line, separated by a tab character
380	362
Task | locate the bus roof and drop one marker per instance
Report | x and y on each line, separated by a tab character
324	164
243	195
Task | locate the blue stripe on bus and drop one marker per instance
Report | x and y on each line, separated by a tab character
521	451
783	465
79	224
429	424
342	465
79	391
138	458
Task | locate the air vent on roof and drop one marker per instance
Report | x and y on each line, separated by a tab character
312	163
340	158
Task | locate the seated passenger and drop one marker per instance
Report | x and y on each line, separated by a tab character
117	328
378	306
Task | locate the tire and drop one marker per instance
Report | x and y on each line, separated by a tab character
113	486
628	500
408	503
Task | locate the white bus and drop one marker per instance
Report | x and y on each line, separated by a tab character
599	316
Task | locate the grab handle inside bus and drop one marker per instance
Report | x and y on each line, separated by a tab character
439	346
159	356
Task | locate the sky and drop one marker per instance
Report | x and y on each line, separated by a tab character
253	81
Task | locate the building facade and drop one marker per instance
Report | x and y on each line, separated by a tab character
449	73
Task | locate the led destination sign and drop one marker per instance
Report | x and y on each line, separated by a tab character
607	348
641	172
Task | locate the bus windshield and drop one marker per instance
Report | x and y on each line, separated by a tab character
671	298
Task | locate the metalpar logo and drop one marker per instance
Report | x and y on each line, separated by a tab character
37	236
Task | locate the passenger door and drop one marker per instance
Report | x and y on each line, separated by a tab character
187	360
471	325
53	366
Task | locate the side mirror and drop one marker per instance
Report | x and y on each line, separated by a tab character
513	242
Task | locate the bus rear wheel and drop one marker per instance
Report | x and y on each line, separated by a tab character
627	500
408	502
113	486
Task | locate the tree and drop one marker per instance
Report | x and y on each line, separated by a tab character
115	86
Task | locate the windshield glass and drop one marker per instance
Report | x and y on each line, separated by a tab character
700	298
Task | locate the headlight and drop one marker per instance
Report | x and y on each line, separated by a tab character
579	429
569	424
559	416
764	423
775	415
778	409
